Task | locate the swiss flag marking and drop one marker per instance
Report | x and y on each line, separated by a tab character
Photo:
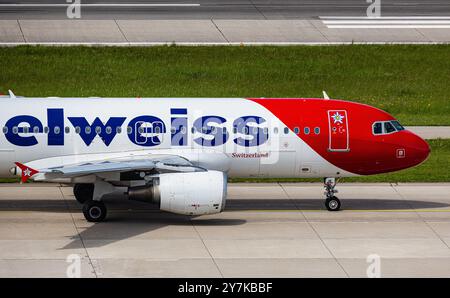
27	172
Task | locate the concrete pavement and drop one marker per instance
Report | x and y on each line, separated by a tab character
431	132
197	32
267	230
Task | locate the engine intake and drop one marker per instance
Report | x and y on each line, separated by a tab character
193	193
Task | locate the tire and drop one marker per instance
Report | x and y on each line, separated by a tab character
94	211
83	192
333	204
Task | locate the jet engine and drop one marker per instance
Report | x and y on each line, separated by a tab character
193	193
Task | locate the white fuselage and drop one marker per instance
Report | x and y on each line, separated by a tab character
239	137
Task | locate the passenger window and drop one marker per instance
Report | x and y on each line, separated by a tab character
77	129
5	129
306	130
388	127
67	129
108	130
56	130
129	130
87	130
36	129
46	129
377	128
275	130
296	130
26	129
118	130
317	130
15	130
98	130
286	130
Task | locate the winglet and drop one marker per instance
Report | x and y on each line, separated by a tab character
325	95
11	94
26	172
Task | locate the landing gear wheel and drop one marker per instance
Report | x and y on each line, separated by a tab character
333	204
83	192
94	211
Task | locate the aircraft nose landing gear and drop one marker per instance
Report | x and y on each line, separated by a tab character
332	202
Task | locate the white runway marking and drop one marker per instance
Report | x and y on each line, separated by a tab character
103	5
412	22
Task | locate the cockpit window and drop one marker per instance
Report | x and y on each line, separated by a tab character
397	125
377	128
386	127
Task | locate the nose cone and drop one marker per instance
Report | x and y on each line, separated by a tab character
419	150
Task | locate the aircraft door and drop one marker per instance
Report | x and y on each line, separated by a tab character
338	131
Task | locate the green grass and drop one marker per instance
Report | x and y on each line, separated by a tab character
410	81
435	169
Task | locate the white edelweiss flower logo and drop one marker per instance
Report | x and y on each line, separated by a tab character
337	118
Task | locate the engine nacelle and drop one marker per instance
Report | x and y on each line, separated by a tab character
193	193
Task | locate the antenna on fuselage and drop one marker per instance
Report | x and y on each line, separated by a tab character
325	95
11	94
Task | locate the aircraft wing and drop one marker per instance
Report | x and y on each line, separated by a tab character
160	163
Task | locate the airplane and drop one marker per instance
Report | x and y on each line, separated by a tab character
178	153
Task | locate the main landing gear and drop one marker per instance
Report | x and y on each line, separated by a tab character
90	195
94	211
83	192
332	202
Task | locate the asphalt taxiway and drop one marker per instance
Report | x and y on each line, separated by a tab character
217	9
267	230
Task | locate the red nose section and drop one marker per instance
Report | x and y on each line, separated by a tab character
410	150
419	151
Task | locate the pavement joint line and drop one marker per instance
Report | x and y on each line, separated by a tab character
316	233
423	220
206	247
79	235
258	10
120	30
421	34
21	31
220	31
319	30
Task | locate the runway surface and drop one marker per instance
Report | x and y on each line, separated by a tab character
222	22
219	9
267	230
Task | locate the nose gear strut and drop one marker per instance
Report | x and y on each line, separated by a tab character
332	202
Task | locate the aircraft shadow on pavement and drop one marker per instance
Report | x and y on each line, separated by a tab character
120	205
318	204
127	219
